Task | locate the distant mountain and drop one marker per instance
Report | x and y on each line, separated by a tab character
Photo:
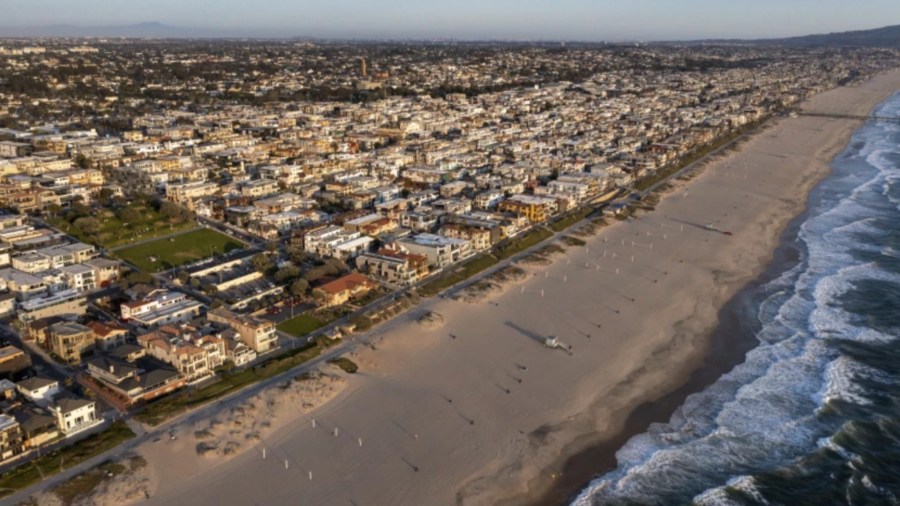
888	37
150	30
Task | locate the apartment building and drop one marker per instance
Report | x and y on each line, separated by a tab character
536	209
108	336
185	192
64	303
395	266
260	335
161	307
12	441
441	251
168	345
70	340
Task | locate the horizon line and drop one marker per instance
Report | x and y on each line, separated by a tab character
211	33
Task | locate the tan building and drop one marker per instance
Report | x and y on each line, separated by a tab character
479	238
189	359
343	289
108	336
258	334
12	442
394	266
536	209
105	271
70	340
215	349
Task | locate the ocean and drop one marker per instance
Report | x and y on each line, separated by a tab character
812	415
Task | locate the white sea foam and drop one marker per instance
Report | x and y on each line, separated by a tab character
829	443
765	412
719	496
840	382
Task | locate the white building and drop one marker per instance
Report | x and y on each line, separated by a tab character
161	307
38	390
441	251
74	415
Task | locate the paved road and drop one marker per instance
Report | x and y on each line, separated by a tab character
40	361
167	429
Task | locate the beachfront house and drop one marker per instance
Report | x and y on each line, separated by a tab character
343	289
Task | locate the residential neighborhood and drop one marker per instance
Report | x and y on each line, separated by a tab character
170	224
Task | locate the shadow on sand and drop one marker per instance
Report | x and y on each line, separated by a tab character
527	333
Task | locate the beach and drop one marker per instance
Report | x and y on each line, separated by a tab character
472	407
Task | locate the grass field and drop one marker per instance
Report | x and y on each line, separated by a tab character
179	250
113	232
571	219
459	274
301	325
522	242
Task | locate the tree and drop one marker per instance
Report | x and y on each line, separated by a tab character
319	295
336	266
129	215
106	195
137	277
287	273
299	287
82	161
76	211
171	210
54	210
88	225
296	254
261	262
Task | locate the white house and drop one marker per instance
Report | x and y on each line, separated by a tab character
38	390
74	415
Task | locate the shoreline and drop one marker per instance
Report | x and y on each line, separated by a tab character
725	348
730	341
458	420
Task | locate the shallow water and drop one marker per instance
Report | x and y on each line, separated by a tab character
812	416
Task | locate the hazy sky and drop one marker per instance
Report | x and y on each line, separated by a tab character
506	19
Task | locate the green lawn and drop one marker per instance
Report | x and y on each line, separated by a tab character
466	271
571	219
523	242
52	463
114	232
179	250
346	364
301	325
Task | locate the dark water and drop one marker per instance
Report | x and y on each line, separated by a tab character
812	416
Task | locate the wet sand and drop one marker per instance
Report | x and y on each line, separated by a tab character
477	410
728	344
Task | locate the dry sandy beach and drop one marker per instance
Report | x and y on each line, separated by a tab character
475	409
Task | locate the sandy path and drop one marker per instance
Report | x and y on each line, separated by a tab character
448	420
